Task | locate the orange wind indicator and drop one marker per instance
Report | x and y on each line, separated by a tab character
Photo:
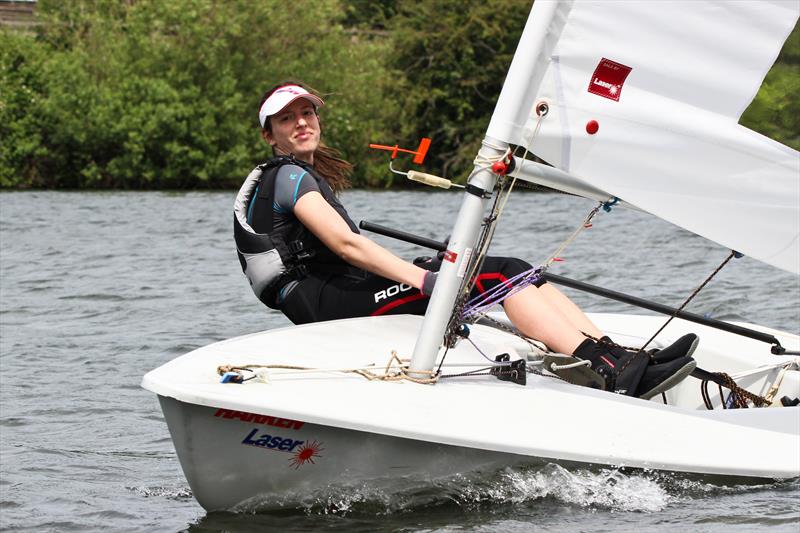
419	153
419	157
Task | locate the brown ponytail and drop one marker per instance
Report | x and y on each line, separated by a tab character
328	162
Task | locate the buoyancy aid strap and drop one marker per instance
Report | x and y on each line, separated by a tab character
265	196
293	245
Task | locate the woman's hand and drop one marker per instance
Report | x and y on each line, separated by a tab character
428	282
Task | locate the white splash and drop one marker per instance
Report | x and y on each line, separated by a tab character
608	489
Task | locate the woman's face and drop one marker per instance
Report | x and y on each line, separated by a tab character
295	130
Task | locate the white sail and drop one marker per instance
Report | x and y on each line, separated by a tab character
644	100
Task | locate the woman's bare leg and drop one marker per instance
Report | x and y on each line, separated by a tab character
535	314
568	308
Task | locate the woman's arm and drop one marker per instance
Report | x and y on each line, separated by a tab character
324	222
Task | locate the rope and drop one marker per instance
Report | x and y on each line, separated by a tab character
400	375
479	372
533	343
511	286
587	223
776	385
494	363
691	297
396	370
555	367
464	309
739	395
500	292
482	163
784	365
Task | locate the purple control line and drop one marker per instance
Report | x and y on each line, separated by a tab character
500	292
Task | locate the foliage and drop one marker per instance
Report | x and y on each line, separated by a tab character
153	94
22	88
164	94
775	111
369	15
454	55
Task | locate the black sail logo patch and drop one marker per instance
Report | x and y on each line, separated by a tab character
608	78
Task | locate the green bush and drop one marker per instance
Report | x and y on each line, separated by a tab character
775	111
157	94
164	94
22	91
454	55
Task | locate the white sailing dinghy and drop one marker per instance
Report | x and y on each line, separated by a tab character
627	100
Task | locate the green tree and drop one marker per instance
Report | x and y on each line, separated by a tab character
454	55
163	94
153	94
22	90
775	111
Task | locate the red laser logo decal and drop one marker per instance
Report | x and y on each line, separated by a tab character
608	79
306	454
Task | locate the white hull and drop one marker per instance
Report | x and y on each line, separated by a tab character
226	468
354	430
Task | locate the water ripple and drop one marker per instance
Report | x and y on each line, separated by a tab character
88	307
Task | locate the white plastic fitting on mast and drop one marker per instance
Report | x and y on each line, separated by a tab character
430	179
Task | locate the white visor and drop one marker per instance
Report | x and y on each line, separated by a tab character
282	97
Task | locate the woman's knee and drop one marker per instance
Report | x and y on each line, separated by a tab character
517	266
513	266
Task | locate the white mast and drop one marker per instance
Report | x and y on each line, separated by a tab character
515	101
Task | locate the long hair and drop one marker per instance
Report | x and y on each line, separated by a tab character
328	161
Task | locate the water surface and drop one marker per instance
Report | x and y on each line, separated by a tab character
99	288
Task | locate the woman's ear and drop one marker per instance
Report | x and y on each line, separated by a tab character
268	138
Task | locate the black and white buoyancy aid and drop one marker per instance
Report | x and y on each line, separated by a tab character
272	258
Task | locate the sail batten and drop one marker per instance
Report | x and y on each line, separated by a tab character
644	100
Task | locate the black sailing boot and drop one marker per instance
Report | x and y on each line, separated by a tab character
660	377
667	367
622	370
683	347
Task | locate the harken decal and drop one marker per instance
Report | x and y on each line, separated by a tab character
252	418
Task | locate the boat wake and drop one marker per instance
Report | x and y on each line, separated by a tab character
602	489
608	489
170	493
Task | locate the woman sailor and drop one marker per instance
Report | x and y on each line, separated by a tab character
304	256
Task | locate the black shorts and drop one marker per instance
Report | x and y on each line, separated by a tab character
318	298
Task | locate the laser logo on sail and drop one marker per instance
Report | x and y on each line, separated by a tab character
608	78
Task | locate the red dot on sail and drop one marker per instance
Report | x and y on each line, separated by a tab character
592	126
